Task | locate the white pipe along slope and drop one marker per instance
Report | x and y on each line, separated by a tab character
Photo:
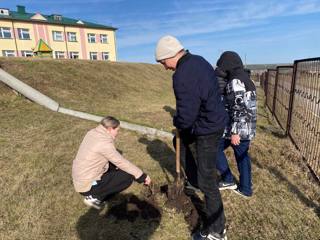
47	102
28	91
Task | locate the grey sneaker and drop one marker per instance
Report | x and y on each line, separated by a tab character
93	202
209	236
237	191
226	185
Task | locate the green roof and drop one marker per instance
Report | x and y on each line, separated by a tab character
50	20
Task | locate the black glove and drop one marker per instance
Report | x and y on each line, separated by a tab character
141	178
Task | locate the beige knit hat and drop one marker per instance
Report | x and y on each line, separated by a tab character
167	47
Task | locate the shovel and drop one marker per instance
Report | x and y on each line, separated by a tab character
178	167
175	190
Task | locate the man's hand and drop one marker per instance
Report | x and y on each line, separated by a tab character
235	139
147	181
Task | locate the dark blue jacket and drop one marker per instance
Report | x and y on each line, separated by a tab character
198	102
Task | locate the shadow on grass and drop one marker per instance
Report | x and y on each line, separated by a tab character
291	187
161	152
274	131
129	218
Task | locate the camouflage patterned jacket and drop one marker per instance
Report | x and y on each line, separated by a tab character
241	106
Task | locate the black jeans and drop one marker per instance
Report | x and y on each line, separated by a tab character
188	155
112	182
207	152
200	168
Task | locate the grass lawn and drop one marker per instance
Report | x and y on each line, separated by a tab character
38	200
137	93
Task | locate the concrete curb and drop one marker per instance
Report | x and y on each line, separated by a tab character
152	132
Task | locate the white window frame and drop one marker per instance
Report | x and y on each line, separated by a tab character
57	36
103	38
8	53
23	34
5	30
93	55
72	37
26	53
59	55
105	56
74	55
92	38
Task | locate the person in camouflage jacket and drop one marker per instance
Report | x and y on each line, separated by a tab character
239	95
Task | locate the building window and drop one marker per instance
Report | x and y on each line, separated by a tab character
57	17
59	54
103	38
23	33
93	56
8	53
57	36
26	53
4	12
74	55
5	32
72	37
105	56
91	38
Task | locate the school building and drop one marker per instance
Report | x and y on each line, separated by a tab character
25	34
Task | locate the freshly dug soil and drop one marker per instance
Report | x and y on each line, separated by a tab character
190	206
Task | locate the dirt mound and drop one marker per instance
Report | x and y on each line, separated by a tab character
190	205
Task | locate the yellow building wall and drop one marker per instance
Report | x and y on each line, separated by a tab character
7	44
74	46
25	45
102	47
56	45
29	45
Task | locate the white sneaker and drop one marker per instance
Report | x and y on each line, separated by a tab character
226	185
92	202
209	236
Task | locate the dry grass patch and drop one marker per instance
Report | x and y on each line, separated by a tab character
132	92
38	200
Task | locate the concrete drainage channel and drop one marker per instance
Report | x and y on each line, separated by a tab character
49	103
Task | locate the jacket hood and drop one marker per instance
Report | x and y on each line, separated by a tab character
231	63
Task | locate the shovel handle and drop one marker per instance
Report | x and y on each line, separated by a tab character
178	154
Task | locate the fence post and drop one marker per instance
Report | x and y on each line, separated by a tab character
275	92
293	86
266	88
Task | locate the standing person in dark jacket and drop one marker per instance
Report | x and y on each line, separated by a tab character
201	118
239	94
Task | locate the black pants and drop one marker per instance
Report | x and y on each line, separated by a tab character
112	182
188	155
203	169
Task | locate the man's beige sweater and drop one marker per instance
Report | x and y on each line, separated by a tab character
92	161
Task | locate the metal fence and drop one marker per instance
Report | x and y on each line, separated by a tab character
293	97
270	87
282	95
304	125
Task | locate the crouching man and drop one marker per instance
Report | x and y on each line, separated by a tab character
99	171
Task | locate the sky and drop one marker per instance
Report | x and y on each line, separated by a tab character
260	31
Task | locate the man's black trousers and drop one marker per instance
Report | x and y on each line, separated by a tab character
112	182
200	167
